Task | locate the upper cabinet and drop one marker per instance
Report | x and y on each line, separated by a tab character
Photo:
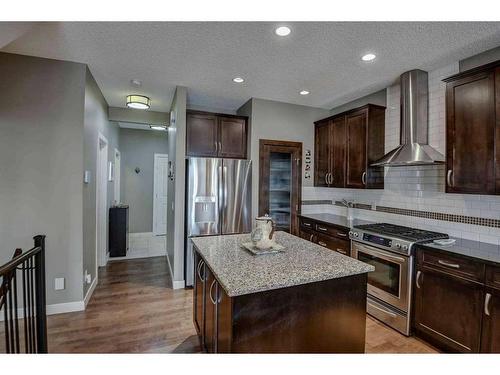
345	146
473	131
215	135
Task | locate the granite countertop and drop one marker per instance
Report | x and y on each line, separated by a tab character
335	220
302	262
480	250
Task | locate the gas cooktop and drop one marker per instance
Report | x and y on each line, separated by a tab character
393	237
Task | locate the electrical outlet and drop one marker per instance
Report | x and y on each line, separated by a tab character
59	283
87	278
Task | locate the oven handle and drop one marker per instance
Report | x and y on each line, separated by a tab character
383	310
372	251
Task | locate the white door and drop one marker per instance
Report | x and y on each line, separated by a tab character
117	177
160	194
101	200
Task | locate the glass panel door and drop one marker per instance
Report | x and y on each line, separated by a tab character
386	275
280	189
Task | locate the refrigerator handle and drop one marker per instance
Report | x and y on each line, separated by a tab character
220	192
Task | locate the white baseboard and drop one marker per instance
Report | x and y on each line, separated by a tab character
178	284
90	291
57	308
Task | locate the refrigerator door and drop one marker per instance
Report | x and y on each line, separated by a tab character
236	196
203	206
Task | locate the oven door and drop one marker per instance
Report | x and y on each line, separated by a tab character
390	280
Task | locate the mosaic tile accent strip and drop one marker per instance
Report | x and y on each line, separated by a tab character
313	202
493	223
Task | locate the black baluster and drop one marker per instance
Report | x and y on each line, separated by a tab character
40	293
25	316
5	316
28	274
16	318
11	314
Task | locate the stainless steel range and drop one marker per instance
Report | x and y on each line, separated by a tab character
388	248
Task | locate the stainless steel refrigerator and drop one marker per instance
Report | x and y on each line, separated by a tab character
218	201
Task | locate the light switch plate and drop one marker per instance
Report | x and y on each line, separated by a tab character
59	283
86	177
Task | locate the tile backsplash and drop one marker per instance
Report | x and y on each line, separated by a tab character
419	188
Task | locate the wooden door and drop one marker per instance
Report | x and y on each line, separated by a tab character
199	295
280	190
338	149
470	134
232	137
490	341
201	134
210	311
322	158
448	310
356	124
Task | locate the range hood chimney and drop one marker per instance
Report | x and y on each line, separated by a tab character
414	148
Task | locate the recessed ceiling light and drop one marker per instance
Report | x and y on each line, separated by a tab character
368	57
283	31
238	80
136	82
158	127
138	102
304	92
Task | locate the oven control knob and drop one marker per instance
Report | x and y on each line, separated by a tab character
356	234
405	247
350	233
398	246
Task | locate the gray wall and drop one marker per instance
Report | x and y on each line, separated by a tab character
41	160
281	121
379	98
95	122
176	187
137	149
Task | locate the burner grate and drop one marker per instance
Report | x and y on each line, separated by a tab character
399	231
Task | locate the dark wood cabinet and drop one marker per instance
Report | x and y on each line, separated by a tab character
448	310
199	296
118	231
280	183
216	135
345	146
473	131
330	236
457	302
334	243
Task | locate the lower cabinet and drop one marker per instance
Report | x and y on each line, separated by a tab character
457	303
336	244
448	311
332	237
199	295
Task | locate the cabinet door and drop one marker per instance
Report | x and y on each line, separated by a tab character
448	311
335	244
307	235
210	312
490	341
338	160
322	154
356	149
470	134
199	295
201	135
232	137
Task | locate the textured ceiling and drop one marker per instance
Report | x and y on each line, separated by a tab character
323	58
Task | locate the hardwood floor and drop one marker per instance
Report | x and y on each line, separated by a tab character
135	310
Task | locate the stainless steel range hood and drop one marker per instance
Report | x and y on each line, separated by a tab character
414	148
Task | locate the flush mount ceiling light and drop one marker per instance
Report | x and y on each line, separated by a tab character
304	92
368	57
283	31
158	127
238	80
138	102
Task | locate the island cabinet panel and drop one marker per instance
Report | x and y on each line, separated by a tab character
346	145
321	317
216	135
210	318
199	295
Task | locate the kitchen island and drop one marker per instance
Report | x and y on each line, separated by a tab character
307	299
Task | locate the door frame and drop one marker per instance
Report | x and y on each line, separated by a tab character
282	146
117	177
101	190
155	189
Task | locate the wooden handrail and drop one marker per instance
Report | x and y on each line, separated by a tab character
17	260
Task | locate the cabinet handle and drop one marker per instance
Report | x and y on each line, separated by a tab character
306	224
220	146
210	293
322	229
326	178
342	251
200	263
331	178
311	238
363	178
448	178
216	147
418	279
446	264
322	243
487	299
340	234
